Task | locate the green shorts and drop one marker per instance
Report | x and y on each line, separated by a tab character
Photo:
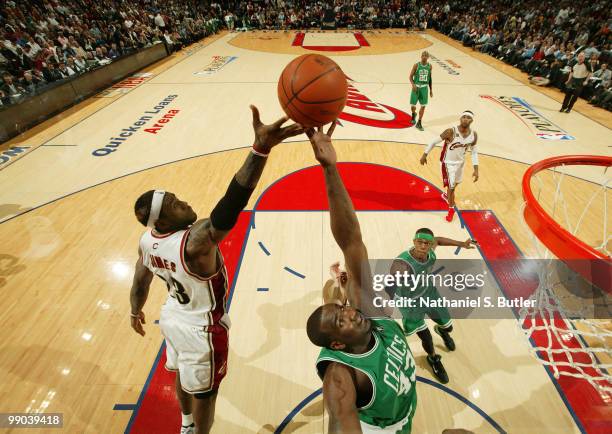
421	96
413	319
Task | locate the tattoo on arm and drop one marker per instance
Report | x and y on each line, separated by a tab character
340	395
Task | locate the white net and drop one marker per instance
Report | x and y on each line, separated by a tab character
570	327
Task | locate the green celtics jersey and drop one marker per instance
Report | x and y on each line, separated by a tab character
417	266
390	367
421	75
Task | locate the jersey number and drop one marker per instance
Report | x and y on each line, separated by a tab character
177	291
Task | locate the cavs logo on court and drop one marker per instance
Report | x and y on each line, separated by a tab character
537	123
362	110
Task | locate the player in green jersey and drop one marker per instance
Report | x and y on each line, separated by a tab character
420	78
367	368
420	259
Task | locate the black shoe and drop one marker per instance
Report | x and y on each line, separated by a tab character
419	126
413	116
446	337
561	110
568	110
437	368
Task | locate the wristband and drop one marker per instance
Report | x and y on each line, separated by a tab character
258	152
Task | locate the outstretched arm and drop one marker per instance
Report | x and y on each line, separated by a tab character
206	234
467	244
139	293
344	223
340	396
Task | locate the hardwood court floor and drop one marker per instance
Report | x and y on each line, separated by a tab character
70	239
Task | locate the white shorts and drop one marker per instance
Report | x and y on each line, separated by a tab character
391	429
452	174
198	353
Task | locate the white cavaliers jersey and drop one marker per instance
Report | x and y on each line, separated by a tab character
192	299
453	151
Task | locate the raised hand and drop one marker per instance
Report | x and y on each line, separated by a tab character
268	136
322	145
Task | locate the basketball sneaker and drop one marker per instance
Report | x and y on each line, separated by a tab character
446	337
437	368
450	215
419	126
188	429
444	197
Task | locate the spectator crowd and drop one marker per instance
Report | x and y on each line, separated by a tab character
545	39
43	41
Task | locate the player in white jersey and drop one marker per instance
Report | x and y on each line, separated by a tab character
183	251
456	142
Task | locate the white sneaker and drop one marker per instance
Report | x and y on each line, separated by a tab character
188	429
444	197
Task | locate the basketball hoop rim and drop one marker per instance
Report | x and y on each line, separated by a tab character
557	239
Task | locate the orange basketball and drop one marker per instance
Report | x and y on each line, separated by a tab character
312	90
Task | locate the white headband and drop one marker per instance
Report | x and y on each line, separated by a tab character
156	205
466	113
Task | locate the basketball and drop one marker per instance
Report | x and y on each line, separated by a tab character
312	90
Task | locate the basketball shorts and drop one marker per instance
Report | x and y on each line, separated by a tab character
452	174
413	319
198	353
421	96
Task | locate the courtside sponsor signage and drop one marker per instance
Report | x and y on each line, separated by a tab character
445	66
536	122
11	154
144	120
362	110
217	63
126	85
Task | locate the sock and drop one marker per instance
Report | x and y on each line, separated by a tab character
446	330
187	419
427	342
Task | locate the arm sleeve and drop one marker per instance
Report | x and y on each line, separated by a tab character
474	156
227	211
432	144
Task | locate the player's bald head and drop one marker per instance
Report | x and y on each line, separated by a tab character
316	330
